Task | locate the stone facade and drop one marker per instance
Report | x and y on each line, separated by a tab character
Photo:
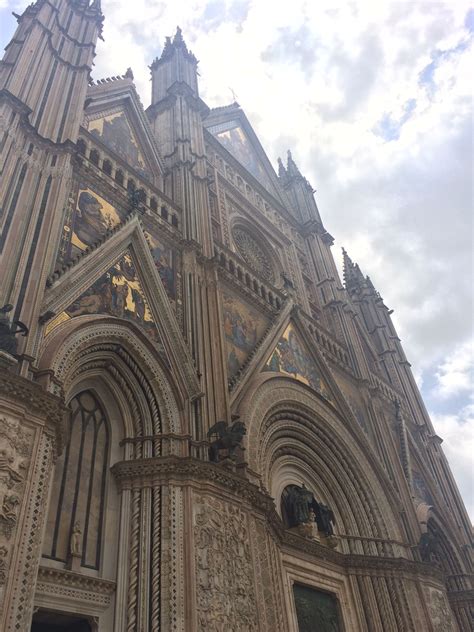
179	293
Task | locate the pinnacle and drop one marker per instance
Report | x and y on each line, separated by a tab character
291	166
281	168
353	276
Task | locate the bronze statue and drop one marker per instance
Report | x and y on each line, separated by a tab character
428	547
298	504
227	437
8	330
325	518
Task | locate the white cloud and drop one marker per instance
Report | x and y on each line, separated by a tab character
319	77
455	373
458	434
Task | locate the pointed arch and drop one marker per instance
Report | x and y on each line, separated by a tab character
119	353
294	437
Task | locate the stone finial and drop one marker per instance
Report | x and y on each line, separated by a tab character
281	168
292	169
128	74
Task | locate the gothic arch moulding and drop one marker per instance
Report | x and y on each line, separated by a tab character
293	436
118	353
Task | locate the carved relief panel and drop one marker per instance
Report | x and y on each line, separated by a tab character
16	443
442	618
224	567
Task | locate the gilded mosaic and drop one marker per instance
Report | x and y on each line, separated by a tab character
88	217
291	358
236	142
243	327
115	132
118	292
165	262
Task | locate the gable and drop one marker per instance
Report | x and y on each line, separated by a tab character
116	132
232	129
118	292
236	141
292	358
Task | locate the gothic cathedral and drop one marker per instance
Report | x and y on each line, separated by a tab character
202	429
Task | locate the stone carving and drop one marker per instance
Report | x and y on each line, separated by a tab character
441	616
8	331
224	567
3	564
76	540
252	253
227	438
15	448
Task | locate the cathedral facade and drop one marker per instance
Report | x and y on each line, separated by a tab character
202	428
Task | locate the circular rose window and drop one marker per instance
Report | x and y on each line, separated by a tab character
252	253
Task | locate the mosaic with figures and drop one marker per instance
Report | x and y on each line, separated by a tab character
292	358
88	217
115	132
165	262
237	143
243	327
117	292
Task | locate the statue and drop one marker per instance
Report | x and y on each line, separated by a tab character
325	518
298	504
227	437
8	331
428	547
76	539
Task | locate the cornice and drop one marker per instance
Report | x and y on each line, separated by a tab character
161	470
76	580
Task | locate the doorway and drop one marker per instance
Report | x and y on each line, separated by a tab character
50	621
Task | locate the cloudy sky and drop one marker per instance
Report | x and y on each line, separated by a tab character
375	101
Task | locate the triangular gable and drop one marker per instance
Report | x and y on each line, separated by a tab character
126	256
232	129
292	358
115	116
118	292
116	132
244	326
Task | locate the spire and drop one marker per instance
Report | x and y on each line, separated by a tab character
291	166
281	169
353	277
178	38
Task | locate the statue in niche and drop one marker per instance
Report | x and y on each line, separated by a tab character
225	437
302	508
428	547
325	519
298	504
8	331
76	540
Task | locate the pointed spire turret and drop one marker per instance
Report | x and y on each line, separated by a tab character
176	65
281	169
299	191
353	277
291	166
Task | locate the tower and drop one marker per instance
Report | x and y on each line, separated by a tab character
201	425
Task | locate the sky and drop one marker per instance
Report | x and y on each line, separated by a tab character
375	101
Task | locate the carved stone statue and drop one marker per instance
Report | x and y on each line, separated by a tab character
76	539
8	331
325	518
226	437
